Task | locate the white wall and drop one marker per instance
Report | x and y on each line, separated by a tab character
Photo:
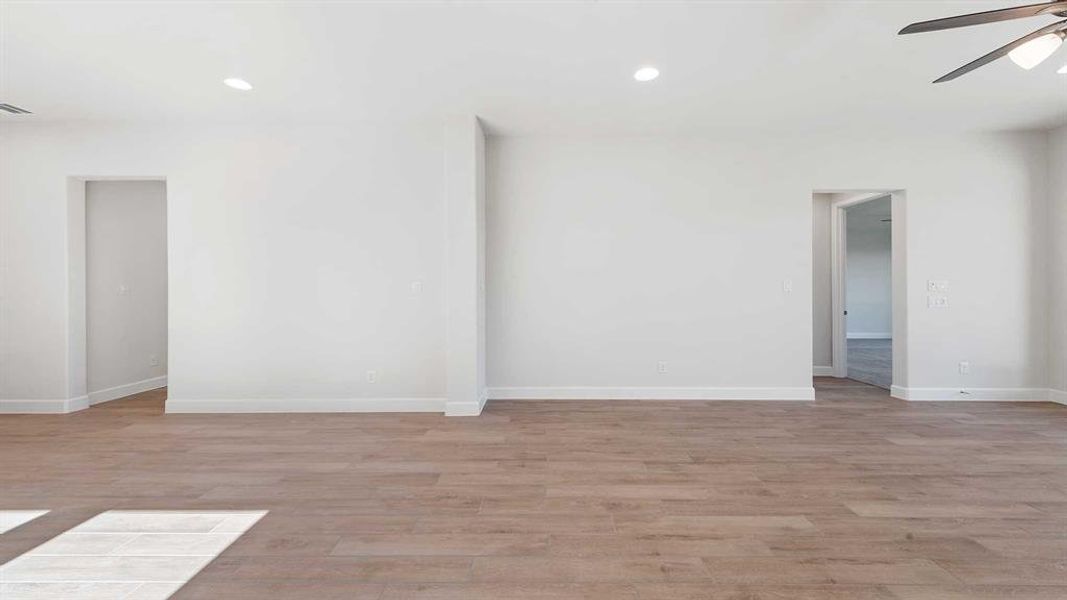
868	271
292	255
293	251
821	287
126	280
1057	263
607	255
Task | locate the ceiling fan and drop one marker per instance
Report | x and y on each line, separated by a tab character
1027	51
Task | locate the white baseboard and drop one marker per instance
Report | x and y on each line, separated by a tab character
472	408
56	406
305	405
650	393
870	335
971	395
129	389
1057	396
822	371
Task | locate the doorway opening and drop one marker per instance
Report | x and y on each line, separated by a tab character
869	292
859	294
117	233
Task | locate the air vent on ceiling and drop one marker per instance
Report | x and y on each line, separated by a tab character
11	108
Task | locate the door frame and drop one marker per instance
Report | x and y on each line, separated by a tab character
838	245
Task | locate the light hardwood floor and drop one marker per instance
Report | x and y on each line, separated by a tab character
855	496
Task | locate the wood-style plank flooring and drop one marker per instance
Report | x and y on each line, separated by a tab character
856	496
871	361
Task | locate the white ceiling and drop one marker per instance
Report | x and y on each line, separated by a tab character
525	67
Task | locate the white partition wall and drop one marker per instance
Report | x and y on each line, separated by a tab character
657	267
324	268
465	321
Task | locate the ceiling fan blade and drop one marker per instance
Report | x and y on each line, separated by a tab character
1002	51
989	16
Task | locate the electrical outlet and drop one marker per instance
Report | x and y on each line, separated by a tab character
372	377
416	287
965	367
661	367
124	290
787	286
153	360
936	301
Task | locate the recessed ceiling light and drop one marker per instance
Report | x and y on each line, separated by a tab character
238	84
1063	70
646	73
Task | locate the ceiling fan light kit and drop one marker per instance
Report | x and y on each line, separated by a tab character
1027	52
1034	52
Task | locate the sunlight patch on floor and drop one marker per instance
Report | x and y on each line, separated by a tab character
10	519
124	554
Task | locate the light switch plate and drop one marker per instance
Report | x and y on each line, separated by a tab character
937	286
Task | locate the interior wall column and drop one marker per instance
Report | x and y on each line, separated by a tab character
465	265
